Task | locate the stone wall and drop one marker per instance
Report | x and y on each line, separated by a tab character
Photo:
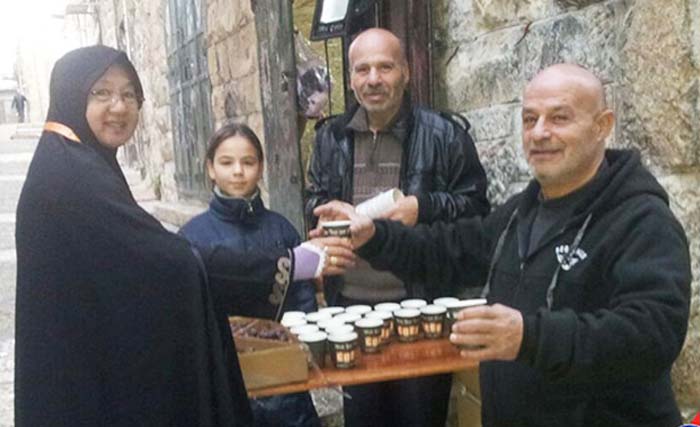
140	28
233	65
647	54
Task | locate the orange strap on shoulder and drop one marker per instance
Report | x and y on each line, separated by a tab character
62	130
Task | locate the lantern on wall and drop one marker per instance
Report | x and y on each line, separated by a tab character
339	18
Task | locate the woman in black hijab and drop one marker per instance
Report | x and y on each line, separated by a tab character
115	324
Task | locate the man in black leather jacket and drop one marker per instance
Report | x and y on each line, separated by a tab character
383	143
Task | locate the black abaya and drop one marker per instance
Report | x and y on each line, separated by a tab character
115	325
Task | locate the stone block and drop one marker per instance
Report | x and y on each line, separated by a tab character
256	122
236	98
218	99
223	61
242	50
684	195
686	381
245	12
453	23
496	122
694	11
659	83
575	3
214	67
505	167
481	73
493	14
587	37
167	184
222	20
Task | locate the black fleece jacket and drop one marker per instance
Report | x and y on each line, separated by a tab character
596	352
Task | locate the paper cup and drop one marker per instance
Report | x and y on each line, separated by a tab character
303	329
326	324
332	310
407	324
455	307
370	332
348	317
293	315
336	228
292	322
316	342
343	348
414	303
379	204
358	309
444	301
387	306
388	323
340	329
433	320
316	316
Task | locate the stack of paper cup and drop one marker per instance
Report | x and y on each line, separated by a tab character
379	204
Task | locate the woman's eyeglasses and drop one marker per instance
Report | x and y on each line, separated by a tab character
105	96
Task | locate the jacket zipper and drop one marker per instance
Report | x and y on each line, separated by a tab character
374	147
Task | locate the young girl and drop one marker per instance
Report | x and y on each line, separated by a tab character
237	218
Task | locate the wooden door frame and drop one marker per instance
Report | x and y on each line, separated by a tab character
410	21
277	64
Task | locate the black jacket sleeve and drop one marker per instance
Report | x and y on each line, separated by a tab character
641	332
465	180
242	280
449	256
318	176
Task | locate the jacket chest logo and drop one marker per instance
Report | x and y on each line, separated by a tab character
567	259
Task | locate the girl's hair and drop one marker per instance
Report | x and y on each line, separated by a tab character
230	130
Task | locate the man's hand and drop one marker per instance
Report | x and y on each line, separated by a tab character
339	254
330	216
361	226
496	332
405	210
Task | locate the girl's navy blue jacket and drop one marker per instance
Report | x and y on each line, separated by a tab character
252	228
249	227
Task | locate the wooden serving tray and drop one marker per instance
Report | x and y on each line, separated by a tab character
395	361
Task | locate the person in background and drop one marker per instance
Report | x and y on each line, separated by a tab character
19	103
586	271
382	143
237	218
115	323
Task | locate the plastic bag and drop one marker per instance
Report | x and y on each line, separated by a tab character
313	79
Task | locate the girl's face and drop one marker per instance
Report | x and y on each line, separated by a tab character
236	168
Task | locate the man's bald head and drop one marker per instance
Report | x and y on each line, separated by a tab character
378	75
565	124
587	84
378	38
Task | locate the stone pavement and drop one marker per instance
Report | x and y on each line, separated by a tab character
15	155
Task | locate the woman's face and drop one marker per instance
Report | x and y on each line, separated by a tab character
236	168
112	108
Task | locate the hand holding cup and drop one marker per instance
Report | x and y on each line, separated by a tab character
339	254
361	226
488	332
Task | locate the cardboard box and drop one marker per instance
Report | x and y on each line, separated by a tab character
468	399
268	362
